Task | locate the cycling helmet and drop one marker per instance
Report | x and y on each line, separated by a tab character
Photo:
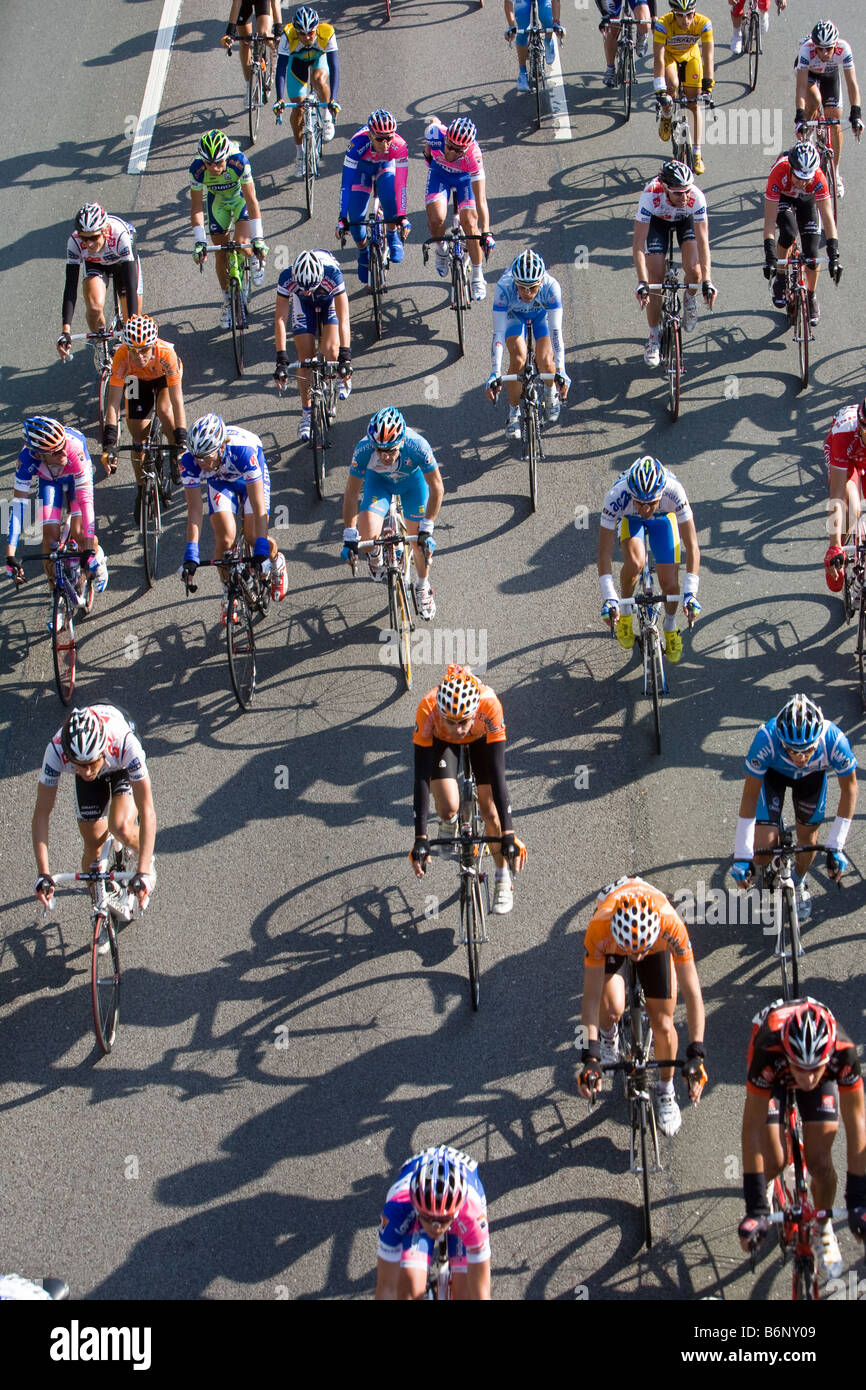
676	175
459	693
140	332
825	34
808	1035
799	723
381	122
528	269
207	436
213	146
83	737
387	429
305	20
804	160
683	6
461	132
646	479
635	923
90	219
43	432
439	1185
308	271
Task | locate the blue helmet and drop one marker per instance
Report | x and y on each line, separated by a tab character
387	429
646	479
800	722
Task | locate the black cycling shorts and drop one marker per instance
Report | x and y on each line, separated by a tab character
92	798
141	396
654	972
799	214
446	761
261	7
658	241
820	1106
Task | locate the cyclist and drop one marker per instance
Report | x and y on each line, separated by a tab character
737	8
823	56
799	1045
517	17
610	27
649	506
795	196
456	165
378	156
222	174
307	64
683	37
314	292
670	203
392	460
797	749
268	18
113	794
147	370
528	294
633	920
231	462
104	247
845	456
437	1192
463	710
59	459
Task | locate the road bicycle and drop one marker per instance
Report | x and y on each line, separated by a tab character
753	40
323	409
456	242
531	403
777	879
671	333
439	1272
648	606
536	59
238	255
624	62
378	255
791	1210
105	342
817	133
797	303
398	561
682	146
853	598
156	489
112	908
247	598
72	598
312	136
473	849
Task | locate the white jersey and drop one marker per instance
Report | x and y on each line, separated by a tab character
619	502
654	202
808	57
118	246
123	752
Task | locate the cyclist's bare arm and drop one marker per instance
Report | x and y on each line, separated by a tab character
853	1111
476	1281
828	221
604	560
638	250
45	799
771	212
847	795
178	409
702	240
437	492
752	1132
142	795
194	514
751	794
687	979
853	86
281	322
256	495
341	309
351	500
689	537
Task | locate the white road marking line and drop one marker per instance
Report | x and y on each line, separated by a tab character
154	89
558	104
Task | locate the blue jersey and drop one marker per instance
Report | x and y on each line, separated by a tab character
332	284
401	1236
507	301
415	456
243	462
833	751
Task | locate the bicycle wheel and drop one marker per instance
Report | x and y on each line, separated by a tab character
642	1104
828	165
255	97
161	466
105	981
241	649
318	441
404	626
310	170
472	930
656	683
803	337
805	1279
673	367
861	649
102	394
151	526
531	450
377	284
238	324
460	297
789	941
63	644
753	44
626	77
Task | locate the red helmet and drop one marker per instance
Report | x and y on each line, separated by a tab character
808	1035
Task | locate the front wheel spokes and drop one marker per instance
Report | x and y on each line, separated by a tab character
754	47
376	285
63	644
238	311
656	678
105	981
532	450
784	943
151	525
318	440
803	336
309	170
861	648
643	1104
255	99
469	932
102	390
458	290
674	367
404	627
241	648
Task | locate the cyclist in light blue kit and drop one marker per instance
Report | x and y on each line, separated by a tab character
527	294
797	749
393	461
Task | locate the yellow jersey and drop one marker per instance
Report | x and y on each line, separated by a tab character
679	44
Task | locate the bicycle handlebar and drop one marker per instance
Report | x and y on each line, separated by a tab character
678	284
531	376
92	876
811	125
821	1214
457	840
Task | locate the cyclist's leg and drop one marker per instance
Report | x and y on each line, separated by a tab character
320	79
819	1111
632	537
656	250
773	1144
92	799
467	207
52	494
643	16
436	201
810	801
303	328
329	335
220	217
443	781
809	225
140	402
663	535
691	92
223	506
659	981
515	341
830	87
484	768
93	289
612	1005
123	816
522	9
768	814
414	495
692	270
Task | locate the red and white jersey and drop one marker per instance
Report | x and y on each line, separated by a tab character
654	202
842	447
810	58
781	185
118	246
123	752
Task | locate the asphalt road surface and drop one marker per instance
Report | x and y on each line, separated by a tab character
295	1017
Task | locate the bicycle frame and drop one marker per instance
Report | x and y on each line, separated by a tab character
854	598
439	1272
456	242
797	304
625	70
396	545
323	409
536	59
531	400
794	1215
647	604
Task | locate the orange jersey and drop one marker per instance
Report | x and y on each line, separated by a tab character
430	723
673	937
164	362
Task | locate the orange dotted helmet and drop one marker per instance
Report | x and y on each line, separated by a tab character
459	693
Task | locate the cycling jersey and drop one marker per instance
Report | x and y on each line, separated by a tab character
303	59
680	45
415	456
225	186
780	184
654	202
243	462
402	1238
117	258
72	479
511	315
119	245
842	447
163	363
599	942
619	502
471	161
123	752
364	162
768	1067
808	57
321	297
488	721
833	751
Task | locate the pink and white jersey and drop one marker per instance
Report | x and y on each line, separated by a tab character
810	58
118	246
654	202
123	751
403	1239
471	162
77	464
